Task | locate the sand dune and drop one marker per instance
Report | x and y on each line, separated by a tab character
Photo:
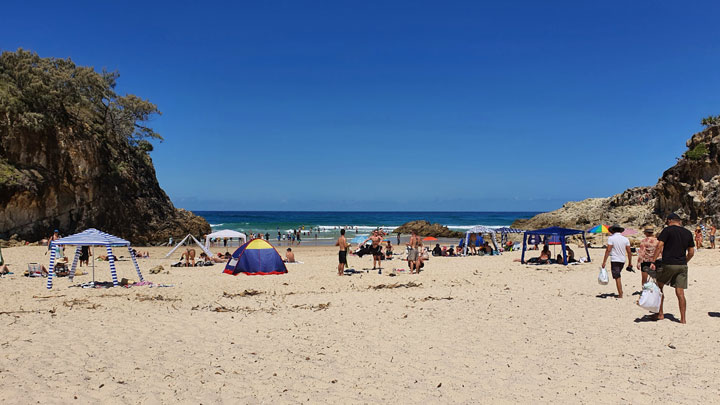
467	330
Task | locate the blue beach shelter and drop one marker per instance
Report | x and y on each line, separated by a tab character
90	237
257	257
554	232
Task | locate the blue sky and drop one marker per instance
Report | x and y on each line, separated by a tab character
398	105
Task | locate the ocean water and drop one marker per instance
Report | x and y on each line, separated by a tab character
327	225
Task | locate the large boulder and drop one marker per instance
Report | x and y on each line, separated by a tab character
425	228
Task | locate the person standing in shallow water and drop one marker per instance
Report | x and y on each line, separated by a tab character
342	253
677	247
618	249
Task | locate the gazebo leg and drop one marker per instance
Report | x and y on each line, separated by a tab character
75	260
134	259
111	259
51	270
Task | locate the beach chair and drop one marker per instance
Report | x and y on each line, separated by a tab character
34	270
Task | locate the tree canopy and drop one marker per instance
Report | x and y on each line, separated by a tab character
711	121
40	93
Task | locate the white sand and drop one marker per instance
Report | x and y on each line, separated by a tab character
510	332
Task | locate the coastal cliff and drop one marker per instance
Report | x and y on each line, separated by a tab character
691	188
74	155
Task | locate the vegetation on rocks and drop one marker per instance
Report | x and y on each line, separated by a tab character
74	154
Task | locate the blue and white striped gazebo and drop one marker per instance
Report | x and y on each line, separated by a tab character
90	237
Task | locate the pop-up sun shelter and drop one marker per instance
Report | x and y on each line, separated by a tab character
90	237
189	236
225	233
554	232
257	257
481	230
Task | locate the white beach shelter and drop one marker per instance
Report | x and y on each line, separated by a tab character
203	248
225	233
90	237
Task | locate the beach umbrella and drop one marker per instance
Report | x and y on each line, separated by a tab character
428	238
629	231
601	229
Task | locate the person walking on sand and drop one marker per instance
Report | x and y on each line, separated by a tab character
342	254
646	253
677	247
618	249
711	236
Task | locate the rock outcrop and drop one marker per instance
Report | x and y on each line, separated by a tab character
71	157
425	228
66	180
691	189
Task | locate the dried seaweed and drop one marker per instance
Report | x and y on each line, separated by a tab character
395	285
246	293
141	297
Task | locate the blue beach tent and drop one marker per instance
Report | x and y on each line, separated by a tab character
257	257
554	232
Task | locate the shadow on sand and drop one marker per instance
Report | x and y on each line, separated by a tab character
651	318
606	295
714	314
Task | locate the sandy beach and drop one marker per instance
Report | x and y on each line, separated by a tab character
467	330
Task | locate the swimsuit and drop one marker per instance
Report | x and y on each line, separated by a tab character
342	256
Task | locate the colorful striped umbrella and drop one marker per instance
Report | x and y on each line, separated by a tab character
599	229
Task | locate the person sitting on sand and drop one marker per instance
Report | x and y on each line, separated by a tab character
437	250
388	251
289	256
543	259
570	254
189	257
142	255
485	249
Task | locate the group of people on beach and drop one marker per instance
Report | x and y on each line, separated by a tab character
664	258
373	246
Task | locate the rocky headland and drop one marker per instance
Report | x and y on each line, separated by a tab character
691	188
74	155
425	228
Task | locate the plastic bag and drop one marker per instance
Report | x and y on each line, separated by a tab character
603	276
651	297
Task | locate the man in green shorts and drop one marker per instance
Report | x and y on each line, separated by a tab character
677	247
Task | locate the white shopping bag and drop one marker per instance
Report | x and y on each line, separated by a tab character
603	276
651	297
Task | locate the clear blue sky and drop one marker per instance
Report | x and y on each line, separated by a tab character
398	105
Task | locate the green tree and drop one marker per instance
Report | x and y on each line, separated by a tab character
39	93
711	121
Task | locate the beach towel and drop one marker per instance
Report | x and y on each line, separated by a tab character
603	276
651	297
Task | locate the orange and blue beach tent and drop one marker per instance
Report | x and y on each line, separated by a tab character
257	257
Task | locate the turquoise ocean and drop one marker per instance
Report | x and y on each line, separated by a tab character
327	225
